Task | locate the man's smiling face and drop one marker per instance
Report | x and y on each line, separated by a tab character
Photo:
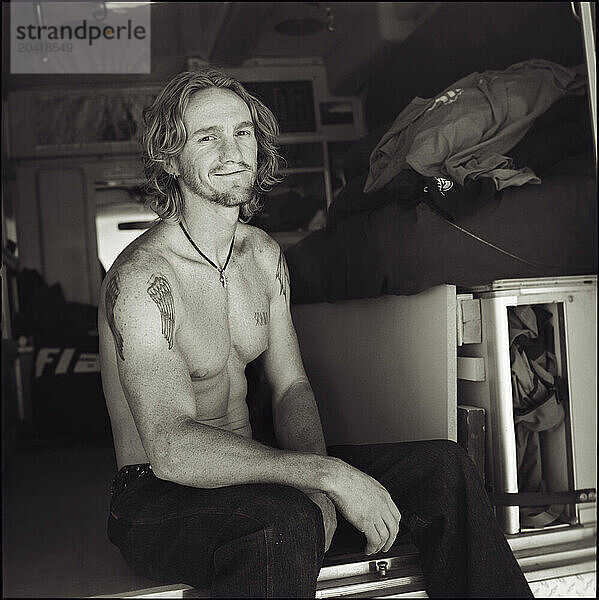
219	159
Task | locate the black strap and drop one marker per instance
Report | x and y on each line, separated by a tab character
543	498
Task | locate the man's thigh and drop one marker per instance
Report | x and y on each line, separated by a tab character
416	474
392	459
152	501
166	530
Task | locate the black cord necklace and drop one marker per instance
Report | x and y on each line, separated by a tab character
223	279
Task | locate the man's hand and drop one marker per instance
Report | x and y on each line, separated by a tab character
328	514
367	505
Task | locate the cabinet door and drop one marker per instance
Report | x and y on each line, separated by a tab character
64	232
581	347
383	369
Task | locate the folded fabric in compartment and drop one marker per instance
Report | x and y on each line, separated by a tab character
466	130
536	404
532	359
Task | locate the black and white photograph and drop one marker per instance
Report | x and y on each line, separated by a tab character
299	299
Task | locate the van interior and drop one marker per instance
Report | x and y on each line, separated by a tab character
408	300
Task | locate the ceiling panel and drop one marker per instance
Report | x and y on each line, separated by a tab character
271	43
230	32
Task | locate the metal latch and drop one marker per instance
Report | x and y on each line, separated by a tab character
381	567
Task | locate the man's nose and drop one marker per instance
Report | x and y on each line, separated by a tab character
230	150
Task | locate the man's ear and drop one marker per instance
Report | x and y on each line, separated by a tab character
170	167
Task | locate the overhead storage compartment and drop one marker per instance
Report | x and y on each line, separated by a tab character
388	24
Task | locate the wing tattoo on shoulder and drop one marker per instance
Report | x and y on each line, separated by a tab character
112	293
283	277
160	291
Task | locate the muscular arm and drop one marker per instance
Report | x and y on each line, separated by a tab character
295	414
362	500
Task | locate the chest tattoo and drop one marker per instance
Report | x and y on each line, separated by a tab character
112	293
262	318
160	291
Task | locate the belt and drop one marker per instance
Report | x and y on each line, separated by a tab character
128	474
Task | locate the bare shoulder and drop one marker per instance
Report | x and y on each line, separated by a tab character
138	299
263	247
269	256
145	256
134	272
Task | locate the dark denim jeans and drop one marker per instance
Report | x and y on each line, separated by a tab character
264	540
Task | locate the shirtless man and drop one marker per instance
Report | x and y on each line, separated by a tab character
183	310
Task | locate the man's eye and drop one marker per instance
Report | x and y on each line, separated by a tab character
245	132
206	138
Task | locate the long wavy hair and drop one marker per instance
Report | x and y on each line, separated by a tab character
164	136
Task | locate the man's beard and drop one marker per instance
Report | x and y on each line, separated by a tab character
237	196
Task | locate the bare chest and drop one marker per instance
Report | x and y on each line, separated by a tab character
223	328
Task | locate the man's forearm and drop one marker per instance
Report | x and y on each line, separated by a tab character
298	428
201	456
206	457
297	422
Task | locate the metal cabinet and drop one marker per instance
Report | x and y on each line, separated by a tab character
568	451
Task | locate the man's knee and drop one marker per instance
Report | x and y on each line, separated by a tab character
288	516
276	537
449	456
451	449
290	509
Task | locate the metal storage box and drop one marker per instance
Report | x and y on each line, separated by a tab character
484	379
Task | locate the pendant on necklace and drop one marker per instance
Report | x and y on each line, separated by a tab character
223	279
